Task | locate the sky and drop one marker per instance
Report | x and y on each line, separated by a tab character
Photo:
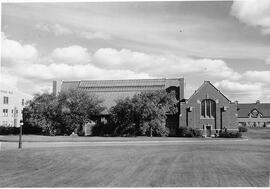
224	42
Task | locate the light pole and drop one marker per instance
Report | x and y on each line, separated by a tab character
20	136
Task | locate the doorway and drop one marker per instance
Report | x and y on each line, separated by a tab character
208	131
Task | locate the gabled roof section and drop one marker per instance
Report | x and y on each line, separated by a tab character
246	108
203	85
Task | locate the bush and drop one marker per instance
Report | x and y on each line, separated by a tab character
188	132
9	130
103	129
230	134
28	129
242	128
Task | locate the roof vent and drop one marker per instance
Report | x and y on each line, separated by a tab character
257	101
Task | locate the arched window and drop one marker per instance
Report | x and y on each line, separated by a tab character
208	108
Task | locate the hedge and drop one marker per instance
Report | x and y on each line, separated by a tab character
230	134
9	130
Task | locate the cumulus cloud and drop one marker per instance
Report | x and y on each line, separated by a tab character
158	65
254	13
13	51
71	55
242	91
263	76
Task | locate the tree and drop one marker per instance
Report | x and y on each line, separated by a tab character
63	114
40	112
125	118
144	113
153	107
76	108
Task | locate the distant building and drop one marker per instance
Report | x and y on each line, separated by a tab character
207	109
11	106
254	114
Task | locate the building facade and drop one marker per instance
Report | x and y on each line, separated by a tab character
207	109
254	114
11	105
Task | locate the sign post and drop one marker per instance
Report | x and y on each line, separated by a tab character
20	136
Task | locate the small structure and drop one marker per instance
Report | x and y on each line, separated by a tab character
254	114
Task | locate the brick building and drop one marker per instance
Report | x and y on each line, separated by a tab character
207	109
254	114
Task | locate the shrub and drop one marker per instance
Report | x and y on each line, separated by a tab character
230	134
29	129
197	132
242	129
188	132
9	130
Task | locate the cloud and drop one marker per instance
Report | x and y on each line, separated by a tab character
14	51
71	55
263	76
267	60
242	91
60	30
56	29
158	65
254	13
94	35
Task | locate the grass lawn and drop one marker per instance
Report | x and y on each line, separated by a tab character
227	163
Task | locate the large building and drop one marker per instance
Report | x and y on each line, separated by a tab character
11	106
207	109
254	114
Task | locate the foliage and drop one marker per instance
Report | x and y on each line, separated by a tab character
188	132
144	113
242	128
103	129
63	114
230	134
9	130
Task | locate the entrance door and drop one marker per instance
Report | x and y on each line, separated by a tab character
208	131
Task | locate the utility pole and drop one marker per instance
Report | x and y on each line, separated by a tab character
20	136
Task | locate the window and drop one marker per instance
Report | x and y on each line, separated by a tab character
22	102
5	100
5	112
208	108
16	113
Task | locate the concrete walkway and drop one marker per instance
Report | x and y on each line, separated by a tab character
27	145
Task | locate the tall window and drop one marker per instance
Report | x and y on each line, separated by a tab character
208	108
5	100
22	102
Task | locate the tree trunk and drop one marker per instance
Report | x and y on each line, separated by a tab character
150	131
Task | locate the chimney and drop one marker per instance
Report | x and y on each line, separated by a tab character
56	87
257	101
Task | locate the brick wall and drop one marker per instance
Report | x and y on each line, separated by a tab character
223	119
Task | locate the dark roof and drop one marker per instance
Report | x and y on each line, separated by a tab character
111	90
245	109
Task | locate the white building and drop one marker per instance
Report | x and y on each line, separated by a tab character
11	106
